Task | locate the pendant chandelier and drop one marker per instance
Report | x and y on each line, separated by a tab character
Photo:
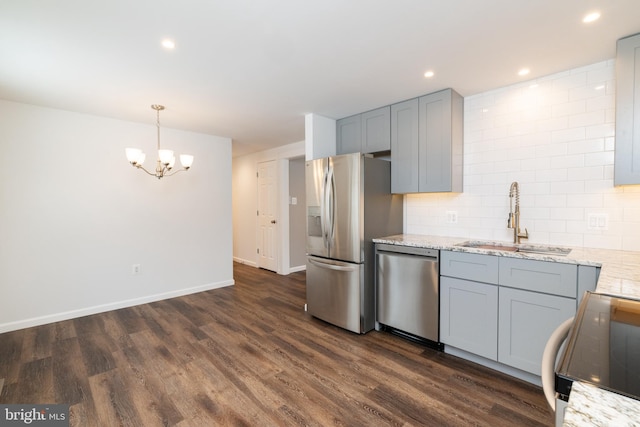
166	159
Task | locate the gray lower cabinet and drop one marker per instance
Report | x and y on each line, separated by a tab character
430	127
469	316
505	309
627	145
526	321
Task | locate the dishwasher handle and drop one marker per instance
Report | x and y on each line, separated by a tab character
383	248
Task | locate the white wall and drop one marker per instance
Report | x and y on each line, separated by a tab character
245	196
555	136
297	215
75	216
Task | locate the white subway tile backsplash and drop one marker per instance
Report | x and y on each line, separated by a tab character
585	200
598	159
557	141
586	146
565	162
606	103
567	187
569	81
585	173
568	108
591	118
600	131
568	134
552	175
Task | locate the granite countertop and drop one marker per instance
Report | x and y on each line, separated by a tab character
592	406
619	276
619	273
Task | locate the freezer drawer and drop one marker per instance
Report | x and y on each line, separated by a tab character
407	290
334	292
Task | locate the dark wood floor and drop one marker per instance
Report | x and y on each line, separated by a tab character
249	355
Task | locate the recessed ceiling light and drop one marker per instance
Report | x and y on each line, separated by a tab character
593	16
429	74
168	44
523	72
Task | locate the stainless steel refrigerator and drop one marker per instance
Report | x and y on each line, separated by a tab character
349	202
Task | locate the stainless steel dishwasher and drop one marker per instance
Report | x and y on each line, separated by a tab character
407	287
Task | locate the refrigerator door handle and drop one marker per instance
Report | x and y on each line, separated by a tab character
323	208
334	266
331	182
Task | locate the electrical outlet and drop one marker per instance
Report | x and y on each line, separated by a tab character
135	269
452	217
597	221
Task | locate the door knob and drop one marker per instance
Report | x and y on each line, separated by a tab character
273	221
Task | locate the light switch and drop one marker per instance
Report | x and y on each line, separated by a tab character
294	200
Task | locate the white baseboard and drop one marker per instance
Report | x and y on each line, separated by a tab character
245	261
72	314
297	268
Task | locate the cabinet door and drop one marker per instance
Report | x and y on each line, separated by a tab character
376	130
440	146
404	147
348	138
469	316
526	321
627	150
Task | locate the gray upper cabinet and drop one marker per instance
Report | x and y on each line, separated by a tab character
368	132
376	130
438	144
404	147
627	151
348	138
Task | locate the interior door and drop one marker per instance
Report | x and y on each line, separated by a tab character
267	210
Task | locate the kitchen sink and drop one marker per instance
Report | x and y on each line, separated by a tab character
530	249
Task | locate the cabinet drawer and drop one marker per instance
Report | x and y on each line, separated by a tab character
540	276
476	267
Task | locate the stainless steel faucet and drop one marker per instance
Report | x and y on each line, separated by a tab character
514	216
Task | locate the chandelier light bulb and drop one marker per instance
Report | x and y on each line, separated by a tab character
165	156
186	160
133	154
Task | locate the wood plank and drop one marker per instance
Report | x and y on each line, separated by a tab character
250	355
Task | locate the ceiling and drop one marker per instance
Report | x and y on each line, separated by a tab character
251	69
